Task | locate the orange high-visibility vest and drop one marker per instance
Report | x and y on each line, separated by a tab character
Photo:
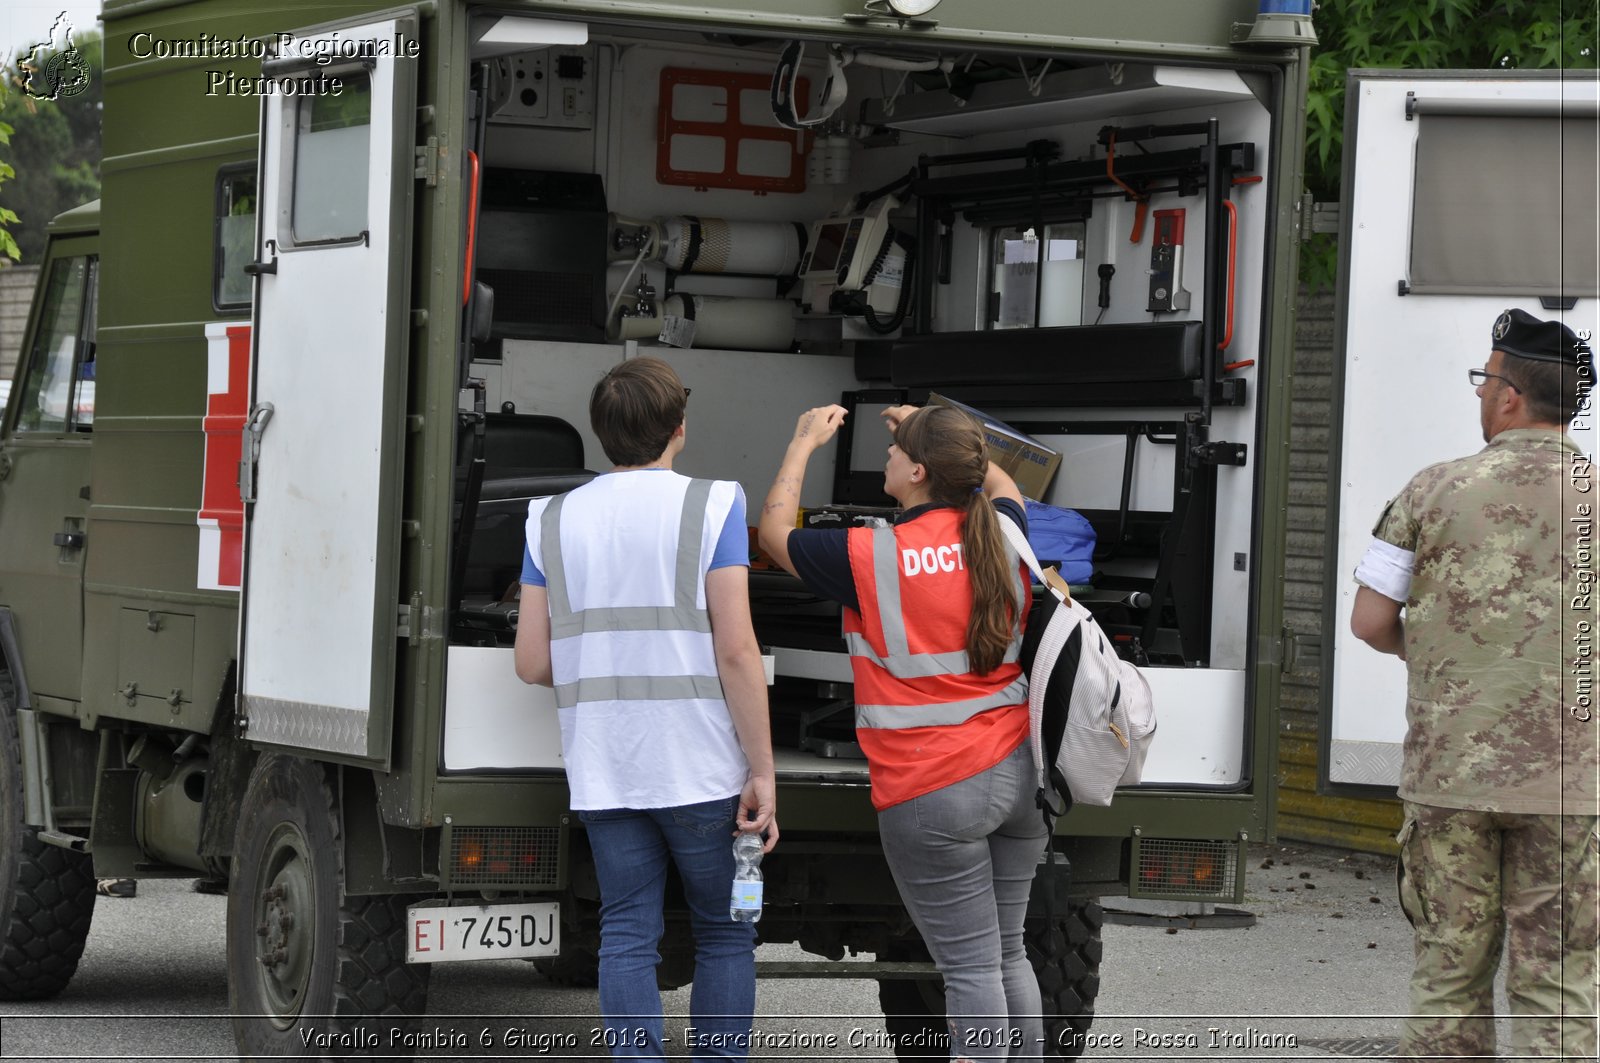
923	718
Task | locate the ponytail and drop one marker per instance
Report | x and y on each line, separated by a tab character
994	579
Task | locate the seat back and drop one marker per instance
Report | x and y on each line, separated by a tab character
514	443
526	456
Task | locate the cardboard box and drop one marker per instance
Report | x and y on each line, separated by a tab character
1032	464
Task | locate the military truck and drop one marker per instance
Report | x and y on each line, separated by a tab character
288	387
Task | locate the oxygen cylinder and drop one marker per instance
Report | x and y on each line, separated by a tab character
718	322
716	245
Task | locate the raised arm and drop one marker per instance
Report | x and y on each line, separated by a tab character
778	515
997	483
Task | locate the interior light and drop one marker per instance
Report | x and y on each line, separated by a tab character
903	8
514	33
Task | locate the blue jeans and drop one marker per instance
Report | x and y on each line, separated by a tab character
964	858
631	848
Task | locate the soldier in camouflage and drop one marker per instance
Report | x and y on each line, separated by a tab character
1491	558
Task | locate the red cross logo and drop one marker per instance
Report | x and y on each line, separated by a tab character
221	516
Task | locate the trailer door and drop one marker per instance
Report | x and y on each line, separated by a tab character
1465	193
324	444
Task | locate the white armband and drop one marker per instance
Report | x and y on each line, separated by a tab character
1387	568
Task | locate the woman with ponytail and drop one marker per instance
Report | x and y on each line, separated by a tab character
934	607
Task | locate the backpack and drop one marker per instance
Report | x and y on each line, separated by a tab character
1063	538
1090	712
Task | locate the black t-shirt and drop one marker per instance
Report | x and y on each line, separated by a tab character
821	556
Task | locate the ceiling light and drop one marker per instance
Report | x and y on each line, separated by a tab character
903	8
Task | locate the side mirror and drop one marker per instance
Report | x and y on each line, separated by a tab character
482	311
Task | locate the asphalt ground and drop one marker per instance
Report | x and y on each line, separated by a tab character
1321	973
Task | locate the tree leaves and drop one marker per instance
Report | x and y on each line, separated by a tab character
8	217
1425	35
54	146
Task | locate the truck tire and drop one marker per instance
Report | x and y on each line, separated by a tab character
311	970
1065	955
913	1017
46	892
577	968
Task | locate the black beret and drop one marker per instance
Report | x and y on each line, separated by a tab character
1519	333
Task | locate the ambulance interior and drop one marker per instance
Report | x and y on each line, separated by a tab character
792	224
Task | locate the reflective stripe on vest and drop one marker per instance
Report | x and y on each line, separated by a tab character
899	662
684	614
943	714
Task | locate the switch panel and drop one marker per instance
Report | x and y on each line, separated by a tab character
545	87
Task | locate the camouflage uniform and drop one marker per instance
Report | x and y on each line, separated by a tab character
1499	767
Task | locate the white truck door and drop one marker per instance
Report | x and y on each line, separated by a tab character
324	445
1465	193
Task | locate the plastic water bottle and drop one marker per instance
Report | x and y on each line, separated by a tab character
745	905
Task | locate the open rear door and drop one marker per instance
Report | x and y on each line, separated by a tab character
324	444
1465	193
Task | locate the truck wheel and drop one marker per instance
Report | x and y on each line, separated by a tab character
578	968
578	965
913	1008
1065	955
913	1016
311	971
46	892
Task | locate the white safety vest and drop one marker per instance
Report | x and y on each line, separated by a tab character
643	719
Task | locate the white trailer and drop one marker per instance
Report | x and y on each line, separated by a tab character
1465	193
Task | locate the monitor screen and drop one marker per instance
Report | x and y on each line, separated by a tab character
869	437
863	447
830	241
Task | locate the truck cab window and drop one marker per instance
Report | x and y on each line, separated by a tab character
235	238
333	137
58	390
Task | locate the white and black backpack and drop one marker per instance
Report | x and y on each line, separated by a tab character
1090	712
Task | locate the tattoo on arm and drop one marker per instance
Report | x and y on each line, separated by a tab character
787	485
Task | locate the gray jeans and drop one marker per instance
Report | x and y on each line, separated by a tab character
964	857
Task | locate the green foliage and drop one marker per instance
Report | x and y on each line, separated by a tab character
54	150
9	251
1425	35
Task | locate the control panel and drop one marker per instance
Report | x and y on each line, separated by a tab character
545	87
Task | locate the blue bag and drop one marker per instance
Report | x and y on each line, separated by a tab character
1062	537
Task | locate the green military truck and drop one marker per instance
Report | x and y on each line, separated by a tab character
287	389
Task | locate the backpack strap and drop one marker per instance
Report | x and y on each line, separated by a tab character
1019	542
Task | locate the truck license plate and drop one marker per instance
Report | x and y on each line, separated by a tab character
483	932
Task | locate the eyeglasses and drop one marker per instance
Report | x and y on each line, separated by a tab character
685	394
1480	377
